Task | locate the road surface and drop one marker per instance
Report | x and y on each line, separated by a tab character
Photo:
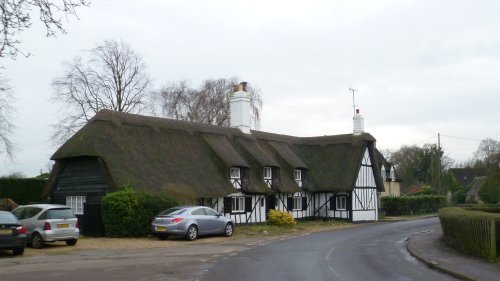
371	252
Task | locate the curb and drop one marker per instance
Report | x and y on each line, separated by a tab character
435	265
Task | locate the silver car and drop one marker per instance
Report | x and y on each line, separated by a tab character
48	223
191	222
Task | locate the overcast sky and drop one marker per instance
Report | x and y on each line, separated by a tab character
420	67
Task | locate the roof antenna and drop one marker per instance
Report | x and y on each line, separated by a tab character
353	103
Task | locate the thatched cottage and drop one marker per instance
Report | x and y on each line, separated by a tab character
239	172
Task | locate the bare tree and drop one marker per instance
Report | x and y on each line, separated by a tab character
6	116
487	154
207	104
111	76
16	18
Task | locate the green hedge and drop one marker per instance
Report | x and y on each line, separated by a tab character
128	213
412	205
473	232
22	191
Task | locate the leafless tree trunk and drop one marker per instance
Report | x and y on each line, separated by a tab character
207	104
112	77
16	18
6	116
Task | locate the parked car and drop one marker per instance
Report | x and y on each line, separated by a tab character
191	222
12	233
48	223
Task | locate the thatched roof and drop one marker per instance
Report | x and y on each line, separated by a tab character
191	160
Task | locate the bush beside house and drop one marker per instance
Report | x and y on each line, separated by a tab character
128	213
279	218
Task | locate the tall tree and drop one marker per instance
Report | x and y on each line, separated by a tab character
6	117
16	18
421	165
487	154
110	76
207	104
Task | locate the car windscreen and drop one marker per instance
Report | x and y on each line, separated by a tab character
171	212
60	214
7	218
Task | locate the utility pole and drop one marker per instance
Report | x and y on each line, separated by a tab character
439	161
353	103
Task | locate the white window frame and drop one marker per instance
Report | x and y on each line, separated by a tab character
235	176
297	203
237	204
341	203
297	176
268	176
76	203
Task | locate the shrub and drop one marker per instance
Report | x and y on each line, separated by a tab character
279	218
473	232
490	191
412	205
128	213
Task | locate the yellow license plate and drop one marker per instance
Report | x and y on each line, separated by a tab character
160	228
63	225
5	231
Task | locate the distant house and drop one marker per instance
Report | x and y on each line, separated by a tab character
240	172
472	196
464	176
392	182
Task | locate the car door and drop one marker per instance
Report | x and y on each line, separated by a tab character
214	223
26	218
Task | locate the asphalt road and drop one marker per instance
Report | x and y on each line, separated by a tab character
372	252
368	252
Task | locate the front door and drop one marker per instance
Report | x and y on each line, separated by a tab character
270	203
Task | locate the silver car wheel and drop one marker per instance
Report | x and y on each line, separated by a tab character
228	230
192	232
37	241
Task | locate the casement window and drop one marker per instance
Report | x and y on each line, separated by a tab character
297	176
268	176
340	202
76	204
235	176
237	204
296	203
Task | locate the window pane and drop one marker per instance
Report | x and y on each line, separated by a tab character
235	173
267	173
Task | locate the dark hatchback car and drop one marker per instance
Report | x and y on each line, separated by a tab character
12	233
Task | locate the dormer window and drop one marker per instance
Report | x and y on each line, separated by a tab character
383	173
235	176
268	176
297	176
393	174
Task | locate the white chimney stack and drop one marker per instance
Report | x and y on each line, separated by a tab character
359	123
239	107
